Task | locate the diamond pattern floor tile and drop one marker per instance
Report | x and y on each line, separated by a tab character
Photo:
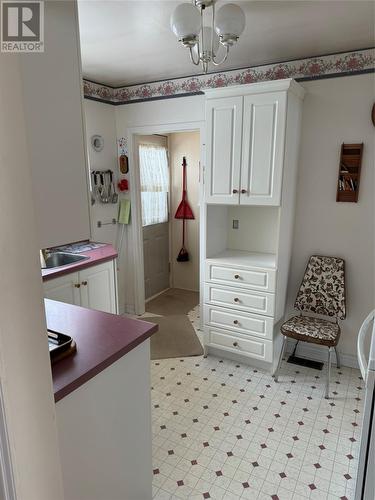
225	430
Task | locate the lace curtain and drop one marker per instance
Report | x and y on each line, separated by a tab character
154	176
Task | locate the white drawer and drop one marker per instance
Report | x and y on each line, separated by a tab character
253	278
240	299
251	347
241	322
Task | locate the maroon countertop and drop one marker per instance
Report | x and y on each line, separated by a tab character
101	339
97	256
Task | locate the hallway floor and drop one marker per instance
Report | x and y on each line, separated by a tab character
227	431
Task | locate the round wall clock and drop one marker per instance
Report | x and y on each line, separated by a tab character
97	142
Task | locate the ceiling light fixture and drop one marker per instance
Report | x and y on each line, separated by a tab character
203	42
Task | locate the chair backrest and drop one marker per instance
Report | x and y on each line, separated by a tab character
322	290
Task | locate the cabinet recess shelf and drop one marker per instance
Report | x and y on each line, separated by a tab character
246	259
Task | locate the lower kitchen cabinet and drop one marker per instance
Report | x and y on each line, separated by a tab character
93	287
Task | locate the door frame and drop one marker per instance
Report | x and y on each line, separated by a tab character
135	197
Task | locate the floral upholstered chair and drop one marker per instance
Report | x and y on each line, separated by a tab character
322	292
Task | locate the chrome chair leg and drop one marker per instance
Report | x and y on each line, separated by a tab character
328	372
276	374
338	361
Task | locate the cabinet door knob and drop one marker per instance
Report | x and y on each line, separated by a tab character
235	344
236	299
84	283
77	285
236	276
243	191
235	191
235	321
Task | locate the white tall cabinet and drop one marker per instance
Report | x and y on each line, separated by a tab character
250	173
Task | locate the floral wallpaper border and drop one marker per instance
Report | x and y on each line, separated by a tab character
303	69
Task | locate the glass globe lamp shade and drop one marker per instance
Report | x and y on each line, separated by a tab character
229	23
186	21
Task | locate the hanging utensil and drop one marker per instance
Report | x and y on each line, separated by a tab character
114	195
183	212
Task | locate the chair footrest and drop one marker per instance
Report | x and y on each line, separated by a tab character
309	363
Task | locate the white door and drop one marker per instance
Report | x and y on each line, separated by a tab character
156	258
64	289
264	119
223	150
155	181
98	287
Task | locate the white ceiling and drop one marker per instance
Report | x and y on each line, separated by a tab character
125	42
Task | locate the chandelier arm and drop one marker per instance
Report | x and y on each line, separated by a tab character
212	31
215	63
196	63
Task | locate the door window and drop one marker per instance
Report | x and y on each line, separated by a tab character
154	176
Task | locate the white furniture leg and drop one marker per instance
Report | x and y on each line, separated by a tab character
276	374
328	372
338	362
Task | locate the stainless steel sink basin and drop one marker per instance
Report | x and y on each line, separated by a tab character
58	259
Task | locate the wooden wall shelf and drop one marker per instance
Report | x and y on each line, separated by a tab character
349	172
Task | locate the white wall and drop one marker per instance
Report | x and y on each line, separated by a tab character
100	120
185	274
25	372
335	110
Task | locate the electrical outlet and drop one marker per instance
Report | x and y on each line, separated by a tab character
235	224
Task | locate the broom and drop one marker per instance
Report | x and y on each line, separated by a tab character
183	212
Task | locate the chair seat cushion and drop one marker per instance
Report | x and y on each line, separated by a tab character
314	330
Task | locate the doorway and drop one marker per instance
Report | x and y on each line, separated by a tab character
160	158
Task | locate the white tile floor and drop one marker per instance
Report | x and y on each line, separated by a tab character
226	431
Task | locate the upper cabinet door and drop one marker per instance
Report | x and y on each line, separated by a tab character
263	148
52	86
223	150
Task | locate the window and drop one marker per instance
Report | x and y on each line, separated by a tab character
154	176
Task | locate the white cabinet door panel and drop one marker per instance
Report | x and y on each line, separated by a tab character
64	289
98	287
263	138
223	150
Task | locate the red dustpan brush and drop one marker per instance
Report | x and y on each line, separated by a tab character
183	212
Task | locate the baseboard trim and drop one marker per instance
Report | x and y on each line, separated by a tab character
156	295
319	353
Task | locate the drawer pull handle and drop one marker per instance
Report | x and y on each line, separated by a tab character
77	285
243	191
235	191
236	299
235	321
235	344
84	283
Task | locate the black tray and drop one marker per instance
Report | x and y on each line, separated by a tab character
58	343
